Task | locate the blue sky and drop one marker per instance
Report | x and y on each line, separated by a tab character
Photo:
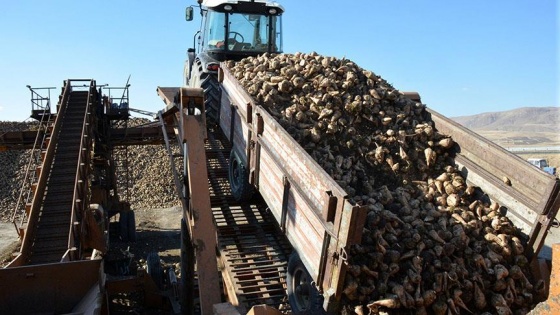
463	57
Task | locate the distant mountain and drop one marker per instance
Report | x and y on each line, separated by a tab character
525	119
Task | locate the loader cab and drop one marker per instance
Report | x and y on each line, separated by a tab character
232	30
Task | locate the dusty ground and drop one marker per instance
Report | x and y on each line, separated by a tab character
552	158
158	230
9	242
509	139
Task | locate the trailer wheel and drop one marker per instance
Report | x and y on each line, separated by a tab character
239	178
153	267
212	96
131	226
123	225
302	293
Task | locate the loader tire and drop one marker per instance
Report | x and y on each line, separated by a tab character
212	96
131	226
302	293
239	178
153	268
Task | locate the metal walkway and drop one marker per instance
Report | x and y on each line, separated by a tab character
253	249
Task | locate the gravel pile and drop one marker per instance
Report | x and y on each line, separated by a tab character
12	170
150	179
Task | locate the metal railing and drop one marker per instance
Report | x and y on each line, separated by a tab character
39	191
116	100
31	171
39	102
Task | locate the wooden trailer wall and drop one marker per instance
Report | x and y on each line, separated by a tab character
307	203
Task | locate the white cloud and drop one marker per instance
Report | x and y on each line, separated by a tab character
1	108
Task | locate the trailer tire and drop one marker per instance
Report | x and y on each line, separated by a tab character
153	268
131	226
302	293
212	95
123	225
239	178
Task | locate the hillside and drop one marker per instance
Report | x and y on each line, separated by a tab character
529	128
525	119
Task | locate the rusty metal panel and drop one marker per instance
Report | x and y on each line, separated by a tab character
351	223
52	288
18	140
168	95
304	231
552	303
204	232
541	226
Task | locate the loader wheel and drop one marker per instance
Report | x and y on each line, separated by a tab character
302	293
239	178
212	96
153	267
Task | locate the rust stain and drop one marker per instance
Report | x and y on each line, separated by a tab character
200	245
552	304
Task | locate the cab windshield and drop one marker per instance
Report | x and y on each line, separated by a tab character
243	32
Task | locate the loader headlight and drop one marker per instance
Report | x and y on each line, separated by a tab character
272	11
228	7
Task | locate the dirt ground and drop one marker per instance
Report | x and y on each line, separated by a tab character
158	230
9	242
510	139
552	158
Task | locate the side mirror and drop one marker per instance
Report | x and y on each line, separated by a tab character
189	14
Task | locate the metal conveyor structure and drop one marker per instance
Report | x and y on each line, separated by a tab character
59	240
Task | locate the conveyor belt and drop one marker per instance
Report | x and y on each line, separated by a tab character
53	225
253	249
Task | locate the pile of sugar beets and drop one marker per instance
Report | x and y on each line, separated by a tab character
431	243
